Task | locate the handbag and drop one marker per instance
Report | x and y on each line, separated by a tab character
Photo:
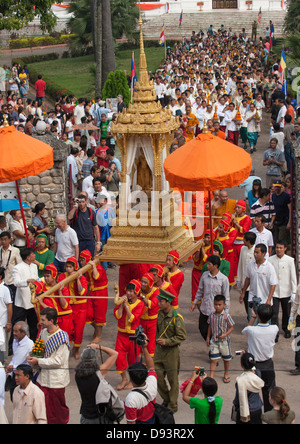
233	413
163	415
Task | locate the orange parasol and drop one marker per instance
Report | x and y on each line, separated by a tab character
22	156
207	163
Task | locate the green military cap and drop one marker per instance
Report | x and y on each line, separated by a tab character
163	294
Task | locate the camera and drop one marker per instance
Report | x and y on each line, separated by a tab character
76	200
239	352
139	337
200	371
255	303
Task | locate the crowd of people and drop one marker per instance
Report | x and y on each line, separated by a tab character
217	80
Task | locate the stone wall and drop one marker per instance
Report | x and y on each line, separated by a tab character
49	187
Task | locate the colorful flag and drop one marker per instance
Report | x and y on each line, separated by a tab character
271	35
259	15
180	18
281	71
162	36
133	75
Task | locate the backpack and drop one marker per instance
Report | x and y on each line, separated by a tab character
163	415
110	407
75	217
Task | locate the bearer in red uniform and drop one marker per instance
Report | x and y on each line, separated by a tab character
97	285
175	275
78	287
160	282
199	258
128	315
128	272
148	296
226	235
242	223
61	304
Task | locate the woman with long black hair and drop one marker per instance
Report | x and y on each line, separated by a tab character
207	410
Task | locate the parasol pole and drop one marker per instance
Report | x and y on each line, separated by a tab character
23	215
210	222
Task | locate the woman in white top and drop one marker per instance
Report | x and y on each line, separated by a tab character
17	229
69	127
250	118
243	131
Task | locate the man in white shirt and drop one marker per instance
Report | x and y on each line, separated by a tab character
24	274
261	277
160	90
5	313
88	181
221	108
200	113
66	243
286	288
79	111
246	256
9	257
263	235
21	348
261	342
232	128
54	376
71	162
281	114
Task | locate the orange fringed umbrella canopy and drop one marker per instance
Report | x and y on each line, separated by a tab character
22	155
207	163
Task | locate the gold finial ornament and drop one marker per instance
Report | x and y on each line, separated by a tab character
5	122
144	133
205	128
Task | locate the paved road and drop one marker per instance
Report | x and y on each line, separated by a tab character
6	56
194	351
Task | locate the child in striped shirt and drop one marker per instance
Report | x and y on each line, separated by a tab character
220	327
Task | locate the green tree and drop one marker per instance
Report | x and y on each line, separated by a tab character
292	18
125	15
81	24
17	14
91	22
116	84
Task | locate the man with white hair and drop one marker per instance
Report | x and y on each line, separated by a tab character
66	243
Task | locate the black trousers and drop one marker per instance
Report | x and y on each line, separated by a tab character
297	343
268	376
203	325
286	309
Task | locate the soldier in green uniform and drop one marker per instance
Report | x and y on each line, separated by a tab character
170	333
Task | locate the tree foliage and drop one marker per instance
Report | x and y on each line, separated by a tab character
81	24
17	14
116	84
124	15
292	18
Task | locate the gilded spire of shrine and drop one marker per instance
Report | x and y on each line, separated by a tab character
145	115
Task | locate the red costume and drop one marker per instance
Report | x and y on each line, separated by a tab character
96	308
78	305
126	328
149	317
197	271
128	272
227	242
64	312
176	277
245	224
